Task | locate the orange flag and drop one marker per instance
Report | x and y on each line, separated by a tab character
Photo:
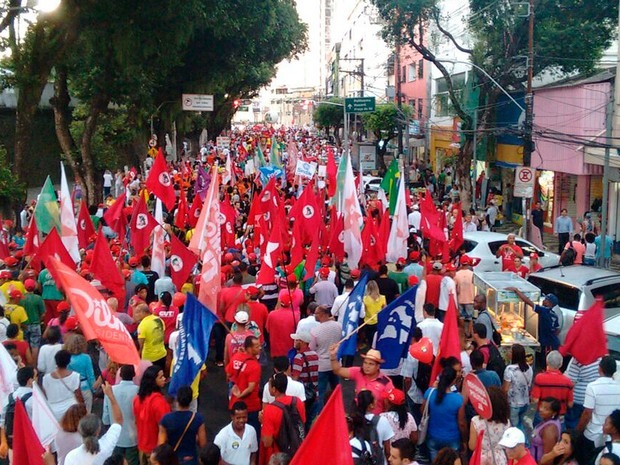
449	344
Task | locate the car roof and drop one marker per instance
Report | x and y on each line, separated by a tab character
576	275
486	236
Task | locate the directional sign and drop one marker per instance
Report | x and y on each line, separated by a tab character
524	182
359	104
197	102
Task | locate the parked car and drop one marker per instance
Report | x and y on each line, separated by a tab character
612	331
371	183
576	288
484	245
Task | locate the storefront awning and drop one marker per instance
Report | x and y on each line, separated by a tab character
596	156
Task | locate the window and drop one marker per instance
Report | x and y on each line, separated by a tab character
420	109
529	248
443	105
411	75
568	296
403	74
411	103
610	294
469	245
421	69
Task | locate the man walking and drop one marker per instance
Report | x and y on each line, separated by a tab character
563	228
323	336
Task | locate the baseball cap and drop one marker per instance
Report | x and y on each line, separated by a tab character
285	300
396	397
355	274
401	261
303	336
437	266
534	255
30	284
62	306
552	298
5	274
133	262
413	280
252	290
242	317
10	261
16	294
414	256
512	437
324	272
449	267
291	278
71	323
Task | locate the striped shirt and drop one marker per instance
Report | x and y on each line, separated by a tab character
581	376
603	397
306	368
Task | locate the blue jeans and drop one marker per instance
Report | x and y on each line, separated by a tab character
434	446
325	378
516	416
573	415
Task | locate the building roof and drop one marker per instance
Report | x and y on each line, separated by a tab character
601	75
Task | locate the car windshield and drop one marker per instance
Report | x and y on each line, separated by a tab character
613	346
469	245
610	294
568	296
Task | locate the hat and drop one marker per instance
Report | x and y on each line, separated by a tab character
252	257
16	294
235	263
534	255
449	267
413	280
396	397
552	298
71	323
242	317
126	274
416	207
252	291
374	355
303	336
19	254
285	300
512	437
133	262
62	306
10	261
355	274
326	261
401	261
5	274
324	272
30	284
291	278
414	256
437	266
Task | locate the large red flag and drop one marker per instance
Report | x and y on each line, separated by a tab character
53	247
372	254
105	269
182	261
255	210
159	181
32	238
476	458
313	256
456	238
332	173
328	439
96	319
336	241
181	214
228	217
27	449
115	217
273	249
141	227
306	212
449	344
85	227
194	211
586	340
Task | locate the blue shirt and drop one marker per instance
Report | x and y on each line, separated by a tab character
443	422
609	244
488	378
124	392
563	224
546	335
83	365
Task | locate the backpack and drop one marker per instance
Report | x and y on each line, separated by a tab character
9	416
364	455
372	436
557	319
568	255
496	362
292	432
423	377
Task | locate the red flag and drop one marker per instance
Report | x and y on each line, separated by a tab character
449	344
456	239
371	254
297	249
476	458
194	211
181	215
115	217
306	212
182	261
336	241
384	231
228	225
430	219
141	227
313	256
4	243
96	319
104	268
273	248
586	340
85	227
332	173
27	449
32	238
255	210
159	181
53	247
328	439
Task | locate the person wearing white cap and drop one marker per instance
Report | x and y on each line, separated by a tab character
513	441
415	217
235	339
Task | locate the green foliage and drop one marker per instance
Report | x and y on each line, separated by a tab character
384	121
329	116
11	190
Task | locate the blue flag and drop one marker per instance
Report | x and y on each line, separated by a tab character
269	171
353	307
193	343
394	326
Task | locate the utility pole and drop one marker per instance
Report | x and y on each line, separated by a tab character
528	144
605	207
475	142
399	100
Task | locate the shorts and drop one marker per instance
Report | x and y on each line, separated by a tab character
467	311
32	335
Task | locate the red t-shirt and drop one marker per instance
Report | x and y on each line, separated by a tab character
272	419
552	383
259	314
522	271
248	371
148	414
297	295
21	346
527	459
230	298
169	317
281	323
433	287
508	252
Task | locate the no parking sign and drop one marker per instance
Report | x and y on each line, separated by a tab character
524	182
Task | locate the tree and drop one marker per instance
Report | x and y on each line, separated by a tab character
11	190
563	31
330	115
383	123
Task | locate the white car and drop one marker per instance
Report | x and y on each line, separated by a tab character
484	245
371	183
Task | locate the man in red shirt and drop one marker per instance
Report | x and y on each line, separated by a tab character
281	323
244	372
508	251
230	298
552	383
258	310
513	442
433	285
272	414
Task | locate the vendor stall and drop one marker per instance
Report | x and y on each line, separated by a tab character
516	324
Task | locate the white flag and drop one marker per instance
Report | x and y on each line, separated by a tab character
158	259
399	233
353	219
8	376
43	420
68	226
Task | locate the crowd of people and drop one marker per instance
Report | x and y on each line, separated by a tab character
278	342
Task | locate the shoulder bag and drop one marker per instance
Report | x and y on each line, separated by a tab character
423	426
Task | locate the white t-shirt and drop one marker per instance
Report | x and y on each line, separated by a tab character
107	179
615	449
355	442
293	389
4	323
61	392
432	328
447	288
339	309
107	443
603	397
65	443
236	450
46	362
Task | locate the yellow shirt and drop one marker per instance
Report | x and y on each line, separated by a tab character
17	315
10	285
187	288
151	330
373	307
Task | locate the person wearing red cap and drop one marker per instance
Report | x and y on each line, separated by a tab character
323	290
534	265
35	309
414	268
258	310
281	323
296	294
9	283
51	295
402	422
447	290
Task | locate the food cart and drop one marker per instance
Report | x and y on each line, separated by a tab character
516	323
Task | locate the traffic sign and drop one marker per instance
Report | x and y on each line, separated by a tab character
359	104
478	396
197	102
524	182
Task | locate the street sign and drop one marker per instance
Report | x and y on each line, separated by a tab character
359	104
197	102
478	396
524	182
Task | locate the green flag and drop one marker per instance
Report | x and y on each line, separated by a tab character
337	199
390	183
261	157
47	213
274	156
